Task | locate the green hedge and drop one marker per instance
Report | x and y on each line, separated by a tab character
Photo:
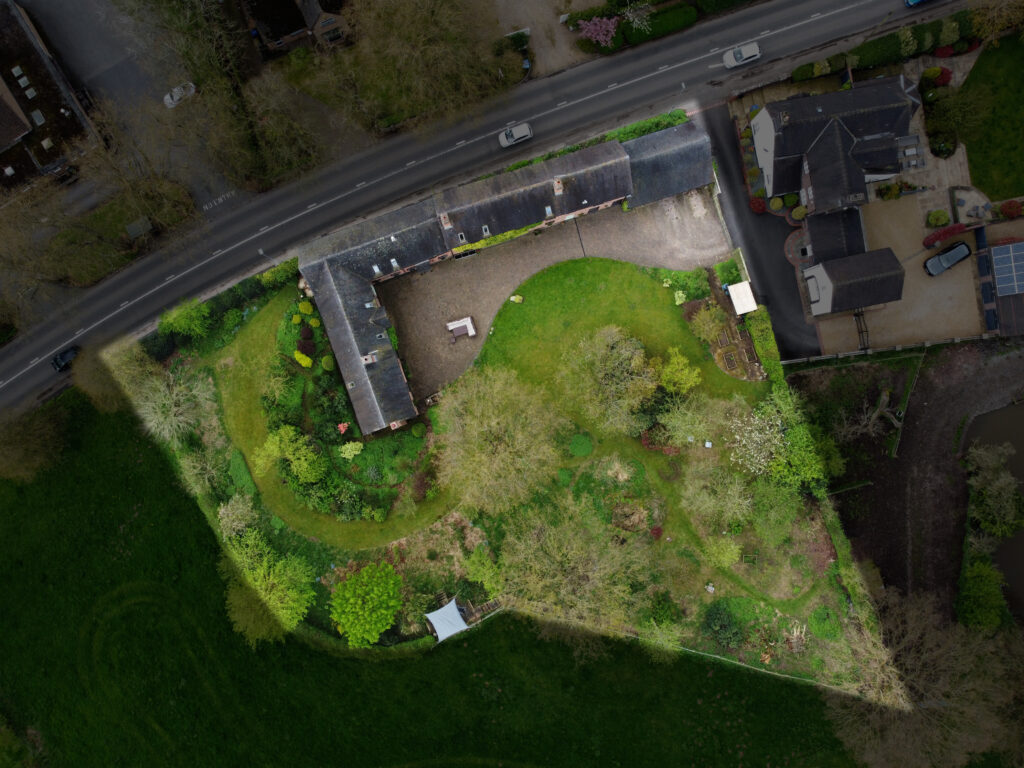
650	125
759	324
728	272
878	52
980	602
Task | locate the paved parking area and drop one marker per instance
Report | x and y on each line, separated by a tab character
932	308
679	233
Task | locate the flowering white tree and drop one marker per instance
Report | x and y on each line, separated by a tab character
600	30
638	16
756	439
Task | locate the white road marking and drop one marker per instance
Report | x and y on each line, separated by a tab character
411	162
613	85
511	122
460	142
80	331
264	228
715	50
683	84
217	253
360	184
663	67
815	15
311	206
125	303
766	32
562	103
169	277
34	360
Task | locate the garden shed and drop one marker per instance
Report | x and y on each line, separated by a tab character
447	621
742	298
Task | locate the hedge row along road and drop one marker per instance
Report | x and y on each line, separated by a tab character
683	70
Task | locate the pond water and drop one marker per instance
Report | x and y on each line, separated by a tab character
1006	425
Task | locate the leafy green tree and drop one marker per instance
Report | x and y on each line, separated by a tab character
721	625
236	515
995	501
365	604
720	500
499	439
722	551
775	510
609	375
287	443
268	595
351	449
190	318
481	567
678	375
708	322
561	554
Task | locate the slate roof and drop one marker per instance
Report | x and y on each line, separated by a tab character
875	113
13	123
520	198
312	9
865	279
357	325
669	162
835	235
834	176
410	235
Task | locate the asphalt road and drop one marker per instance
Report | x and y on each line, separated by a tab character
684	70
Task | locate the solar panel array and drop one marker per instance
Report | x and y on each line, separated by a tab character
1008	268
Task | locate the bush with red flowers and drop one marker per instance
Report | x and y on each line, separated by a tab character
943	234
1011	209
758	205
944	51
656	532
944	76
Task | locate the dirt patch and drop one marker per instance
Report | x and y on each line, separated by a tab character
553	45
910	521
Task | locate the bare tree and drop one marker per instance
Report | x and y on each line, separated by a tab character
993	18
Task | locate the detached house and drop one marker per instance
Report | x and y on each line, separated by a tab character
827	149
342	267
282	24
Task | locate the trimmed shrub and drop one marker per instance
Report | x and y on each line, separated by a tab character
722	551
327	362
758	205
931	73
937	218
943	234
798	213
728	272
306	332
350	450
944	77
1011	209
790	199
564	477
722	626
837	63
803	72
306	347
753	174
419	429
306	307
944	51
746	133
980	603
296	319
303	360
759	192
878	52
283	273
314	322
580	445
776	204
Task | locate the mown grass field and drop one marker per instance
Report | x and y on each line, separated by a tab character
993	146
117	649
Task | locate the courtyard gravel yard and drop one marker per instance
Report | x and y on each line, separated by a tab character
678	233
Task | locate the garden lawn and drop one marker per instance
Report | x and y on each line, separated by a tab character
240	384
994	147
568	301
116	648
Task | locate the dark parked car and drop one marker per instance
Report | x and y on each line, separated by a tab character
62	360
947	257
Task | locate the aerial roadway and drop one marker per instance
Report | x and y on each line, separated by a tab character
684	70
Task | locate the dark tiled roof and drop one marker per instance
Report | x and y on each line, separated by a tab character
788	174
835	178
835	235
410	235
669	162
276	19
865	279
357	326
875	113
518	199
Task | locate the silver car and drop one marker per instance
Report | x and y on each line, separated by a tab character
178	94
515	134
742	55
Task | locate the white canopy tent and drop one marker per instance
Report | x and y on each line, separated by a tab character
447	621
742	298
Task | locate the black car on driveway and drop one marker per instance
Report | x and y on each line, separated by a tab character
62	360
949	256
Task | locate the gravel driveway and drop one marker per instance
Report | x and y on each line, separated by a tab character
678	233
553	45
